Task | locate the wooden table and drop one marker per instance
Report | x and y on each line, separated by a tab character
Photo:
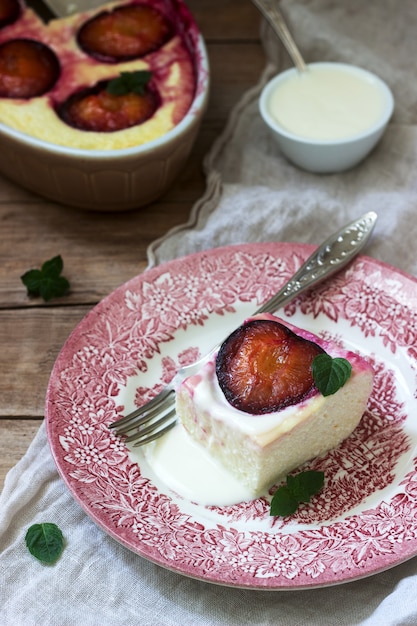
100	251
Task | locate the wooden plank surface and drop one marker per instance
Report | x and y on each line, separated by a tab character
100	251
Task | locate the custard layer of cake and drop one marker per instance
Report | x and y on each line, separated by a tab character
260	450
171	65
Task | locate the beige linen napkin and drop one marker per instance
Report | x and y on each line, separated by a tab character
253	194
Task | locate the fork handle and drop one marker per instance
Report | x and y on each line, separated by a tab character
336	252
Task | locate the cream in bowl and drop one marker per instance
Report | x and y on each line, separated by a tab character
328	118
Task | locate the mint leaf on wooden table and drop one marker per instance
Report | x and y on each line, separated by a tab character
129	82
298	488
46	282
330	374
45	542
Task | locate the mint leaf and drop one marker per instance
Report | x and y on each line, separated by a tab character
129	82
305	484
298	488
283	502
45	542
330	374
53	266
47	281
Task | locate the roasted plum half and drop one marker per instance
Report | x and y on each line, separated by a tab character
28	69
125	33
264	367
9	12
95	109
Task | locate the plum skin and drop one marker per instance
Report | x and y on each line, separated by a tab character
28	68
263	367
94	109
124	33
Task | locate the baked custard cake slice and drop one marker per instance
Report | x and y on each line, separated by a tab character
255	406
114	77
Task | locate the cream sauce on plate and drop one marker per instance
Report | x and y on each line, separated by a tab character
188	469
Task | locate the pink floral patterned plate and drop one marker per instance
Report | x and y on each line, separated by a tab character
365	519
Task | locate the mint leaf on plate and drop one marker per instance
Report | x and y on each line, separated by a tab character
283	502
298	488
46	282
330	374
305	484
45	542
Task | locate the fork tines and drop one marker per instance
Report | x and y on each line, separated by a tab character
150	421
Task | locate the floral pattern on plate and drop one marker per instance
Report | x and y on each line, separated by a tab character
130	344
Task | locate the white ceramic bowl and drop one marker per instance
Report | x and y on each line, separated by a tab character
112	180
328	155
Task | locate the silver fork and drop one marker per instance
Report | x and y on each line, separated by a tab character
156	417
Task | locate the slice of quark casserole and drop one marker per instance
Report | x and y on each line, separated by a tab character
256	408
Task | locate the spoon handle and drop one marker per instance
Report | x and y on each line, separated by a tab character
270	11
336	252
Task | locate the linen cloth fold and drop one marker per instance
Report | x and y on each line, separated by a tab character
253	194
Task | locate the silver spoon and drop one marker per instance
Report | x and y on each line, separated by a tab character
270	11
